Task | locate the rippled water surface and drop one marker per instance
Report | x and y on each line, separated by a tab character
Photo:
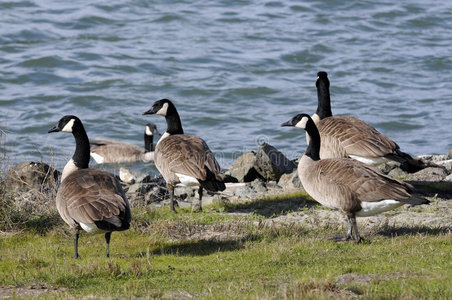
235	70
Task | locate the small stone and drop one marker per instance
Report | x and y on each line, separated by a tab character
208	200
258	186
243	191
429	174
134	188
271	163
126	176
184	192
387	167
184	204
397	173
290	181
244	167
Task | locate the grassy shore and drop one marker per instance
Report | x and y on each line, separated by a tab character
229	251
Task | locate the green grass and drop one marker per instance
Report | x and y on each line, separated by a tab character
222	254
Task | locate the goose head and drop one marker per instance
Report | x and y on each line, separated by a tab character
66	124
322	77
151	129
161	107
299	121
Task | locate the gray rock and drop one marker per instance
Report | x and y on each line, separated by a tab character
387	167
184	204
271	183
398	173
31	175
290	181
448	178
258	186
429	174
244	191
244	167
208	200
271	163
140	194
184	192
134	188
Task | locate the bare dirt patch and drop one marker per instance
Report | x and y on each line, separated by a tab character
28	291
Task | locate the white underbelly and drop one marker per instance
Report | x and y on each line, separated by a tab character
187	180
91	228
373	208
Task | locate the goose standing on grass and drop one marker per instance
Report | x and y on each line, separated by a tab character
183	158
347	184
345	136
106	151
89	199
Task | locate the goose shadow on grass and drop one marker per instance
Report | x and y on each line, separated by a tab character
403	231
200	247
269	207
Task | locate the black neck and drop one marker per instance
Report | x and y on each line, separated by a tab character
313	150
323	96
148	143
81	154
173	121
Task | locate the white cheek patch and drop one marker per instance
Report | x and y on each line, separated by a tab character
162	111
68	126
148	131
302	123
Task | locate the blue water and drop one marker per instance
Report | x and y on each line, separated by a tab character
235	70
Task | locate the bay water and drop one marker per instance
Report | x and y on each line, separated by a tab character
234	69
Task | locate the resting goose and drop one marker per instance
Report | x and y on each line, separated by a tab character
106	151
89	199
347	184
345	136
183	158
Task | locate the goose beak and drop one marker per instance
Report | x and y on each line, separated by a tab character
54	129
152	111
156	132
288	123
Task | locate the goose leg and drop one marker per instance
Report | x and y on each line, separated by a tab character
348	236
171	188
107	239
358	239
200	198
76	234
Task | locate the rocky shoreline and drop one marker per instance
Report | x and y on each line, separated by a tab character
31	188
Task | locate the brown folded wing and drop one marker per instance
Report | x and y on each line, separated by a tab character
345	183
185	154
114	151
90	195
348	135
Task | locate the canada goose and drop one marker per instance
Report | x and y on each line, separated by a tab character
89	199
183	158
105	151
347	184
345	136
